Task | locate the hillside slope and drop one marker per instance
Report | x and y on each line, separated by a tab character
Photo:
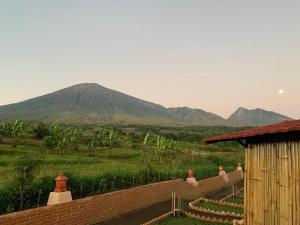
255	117
93	103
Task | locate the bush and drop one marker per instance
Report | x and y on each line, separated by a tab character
40	131
26	166
5	201
49	142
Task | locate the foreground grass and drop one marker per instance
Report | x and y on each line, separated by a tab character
216	207
185	221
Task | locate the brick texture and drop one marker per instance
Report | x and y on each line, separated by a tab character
102	207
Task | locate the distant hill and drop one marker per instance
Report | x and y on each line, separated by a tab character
91	103
255	117
196	116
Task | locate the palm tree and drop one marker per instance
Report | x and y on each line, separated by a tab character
15	131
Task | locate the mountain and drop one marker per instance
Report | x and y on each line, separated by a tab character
91	103
255	117
196	116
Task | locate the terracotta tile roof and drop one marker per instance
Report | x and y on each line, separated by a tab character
282	127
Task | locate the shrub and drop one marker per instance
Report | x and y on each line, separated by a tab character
26	166
40	131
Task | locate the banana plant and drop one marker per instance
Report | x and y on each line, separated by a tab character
174	146
171	144
112	138
4	131
146	139
160	146
101	137
76	137
62	145
142	151
58	139
92	145
56	133
64	140
15	131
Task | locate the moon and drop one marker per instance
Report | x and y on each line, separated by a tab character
281	91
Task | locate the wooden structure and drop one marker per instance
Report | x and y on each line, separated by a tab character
272	173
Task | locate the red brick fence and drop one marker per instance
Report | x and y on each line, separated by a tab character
95	209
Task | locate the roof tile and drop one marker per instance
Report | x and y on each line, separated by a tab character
282	127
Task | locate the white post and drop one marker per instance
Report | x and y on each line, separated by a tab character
173	203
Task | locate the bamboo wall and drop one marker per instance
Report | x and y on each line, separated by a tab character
272	174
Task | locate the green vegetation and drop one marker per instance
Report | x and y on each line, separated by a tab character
239	200
102	159
217	207
12	130
185	221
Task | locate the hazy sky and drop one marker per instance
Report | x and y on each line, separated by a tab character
215	55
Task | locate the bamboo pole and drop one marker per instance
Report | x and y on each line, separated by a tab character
272	183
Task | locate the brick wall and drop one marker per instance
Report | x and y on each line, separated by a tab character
207	186
99	208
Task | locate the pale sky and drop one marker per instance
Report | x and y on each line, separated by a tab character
215	55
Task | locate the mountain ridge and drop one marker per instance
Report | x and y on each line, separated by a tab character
255	117
90	103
